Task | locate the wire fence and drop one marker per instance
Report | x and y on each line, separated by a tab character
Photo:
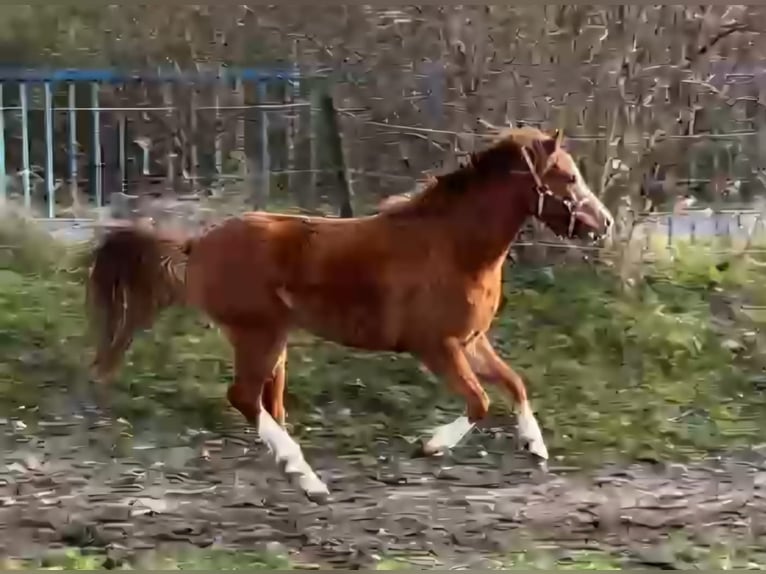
82	138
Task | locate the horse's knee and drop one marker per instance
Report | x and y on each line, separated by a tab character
246	400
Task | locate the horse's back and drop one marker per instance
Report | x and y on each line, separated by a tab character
240	266
377	283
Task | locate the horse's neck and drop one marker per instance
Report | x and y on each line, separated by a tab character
484	226
480	224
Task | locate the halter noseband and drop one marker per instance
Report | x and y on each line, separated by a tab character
543	190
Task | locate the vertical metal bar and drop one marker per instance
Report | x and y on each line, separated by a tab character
167	96
145	158
239	140
96	112
265	156
49	175
194	135
122	135
25	175
313	143
3	175
218	143
671	221
73	139
293	128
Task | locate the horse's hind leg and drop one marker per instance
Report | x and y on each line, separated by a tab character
256	354
451	363
491	368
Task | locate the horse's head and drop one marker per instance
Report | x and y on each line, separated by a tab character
561	198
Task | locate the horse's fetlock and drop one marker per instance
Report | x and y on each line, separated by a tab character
479	409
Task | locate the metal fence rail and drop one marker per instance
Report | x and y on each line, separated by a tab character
60	124
61	105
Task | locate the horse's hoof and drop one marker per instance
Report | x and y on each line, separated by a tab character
314	489
424	449
540	465
536	450
530	437
320	495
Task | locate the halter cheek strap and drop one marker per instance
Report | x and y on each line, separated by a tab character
543	190
573	209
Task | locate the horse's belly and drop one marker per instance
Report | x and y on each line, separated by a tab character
351	326
355	318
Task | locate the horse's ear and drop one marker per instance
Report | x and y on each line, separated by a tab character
542	149
558	135
549	146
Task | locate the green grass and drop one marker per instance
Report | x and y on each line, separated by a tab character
210	560
653	371
678	554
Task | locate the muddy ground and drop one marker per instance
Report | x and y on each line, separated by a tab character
62	484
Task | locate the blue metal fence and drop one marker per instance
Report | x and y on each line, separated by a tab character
52	80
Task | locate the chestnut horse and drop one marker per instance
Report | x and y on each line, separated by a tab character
423	277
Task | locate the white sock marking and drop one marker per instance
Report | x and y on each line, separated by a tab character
447	436
529	431
289	452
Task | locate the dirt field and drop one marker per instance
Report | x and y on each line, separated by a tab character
62	484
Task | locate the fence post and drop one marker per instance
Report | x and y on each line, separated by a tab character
25	175
193	136
3	175
314	164
122	134
72	89
96	114
263	193
167	98
671	221
335	150
293	126
239	138
49	175
218	149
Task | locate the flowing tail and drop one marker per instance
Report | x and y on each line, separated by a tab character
135	273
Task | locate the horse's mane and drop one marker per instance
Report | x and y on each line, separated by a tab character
502	155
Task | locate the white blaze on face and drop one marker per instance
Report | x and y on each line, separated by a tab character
584	195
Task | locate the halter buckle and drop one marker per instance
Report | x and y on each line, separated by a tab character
541	193
572	221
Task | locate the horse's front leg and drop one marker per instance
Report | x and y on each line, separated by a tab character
491	368
488	366
450	362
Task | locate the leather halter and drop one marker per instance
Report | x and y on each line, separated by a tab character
543	191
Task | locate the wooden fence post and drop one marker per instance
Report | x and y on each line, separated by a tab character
335	150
